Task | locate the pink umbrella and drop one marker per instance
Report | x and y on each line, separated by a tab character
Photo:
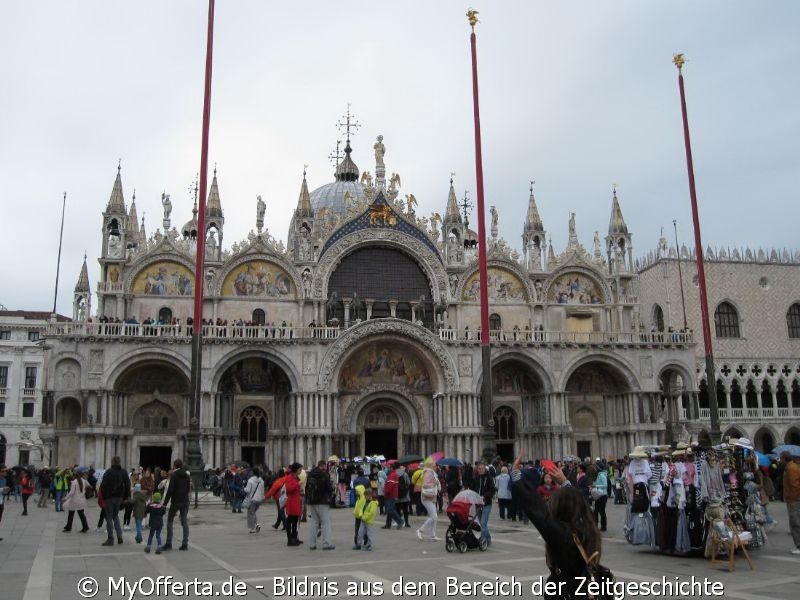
391	461
437	456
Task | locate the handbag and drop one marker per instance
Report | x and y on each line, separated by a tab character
282	499
246	502
596	493
597	577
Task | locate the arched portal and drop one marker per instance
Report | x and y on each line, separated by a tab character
596	402
764	440
505	432
792	436
382	427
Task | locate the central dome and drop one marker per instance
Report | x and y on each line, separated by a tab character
336	195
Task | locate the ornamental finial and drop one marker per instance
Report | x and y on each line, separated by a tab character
472	17
678	59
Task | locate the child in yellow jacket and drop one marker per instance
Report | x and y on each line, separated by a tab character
358	511
368	513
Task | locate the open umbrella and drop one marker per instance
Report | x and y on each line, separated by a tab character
469	496
409	458
390	462
763	460
437	456
790	448
450	462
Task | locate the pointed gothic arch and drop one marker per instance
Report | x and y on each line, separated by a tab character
726	320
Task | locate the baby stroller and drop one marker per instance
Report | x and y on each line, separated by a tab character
465	530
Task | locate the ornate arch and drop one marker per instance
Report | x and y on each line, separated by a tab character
429	261
215	286
429	345
588	272
152	259
273	354
621	366
411	410
512	267
683	371
501	355
135	357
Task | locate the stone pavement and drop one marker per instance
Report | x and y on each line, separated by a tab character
39	561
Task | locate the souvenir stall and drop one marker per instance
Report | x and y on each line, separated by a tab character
677	493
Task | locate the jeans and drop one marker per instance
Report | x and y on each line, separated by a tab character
251	514
600	511
364	535
184	510
793	508
59	496
157	534
236	506
392	514
138	528
112	518
320	517
43	496
485	513
428	528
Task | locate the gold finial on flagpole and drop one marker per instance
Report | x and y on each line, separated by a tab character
472	17
678	59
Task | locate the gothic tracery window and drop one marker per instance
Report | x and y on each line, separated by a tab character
156	417
793	320
253	425
726	321
505	424
658	317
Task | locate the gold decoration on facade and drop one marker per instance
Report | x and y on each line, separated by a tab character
678	60
381	215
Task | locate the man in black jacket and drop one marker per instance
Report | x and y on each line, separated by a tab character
115	488
483	483
178	489
318	498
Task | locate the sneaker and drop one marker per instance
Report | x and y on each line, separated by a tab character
126	528
184	547
796	551
312	547
98	530
251	531
147	549
436	538
329	547
164	548
119	540
419	534
258	527
356	547
158	550
367	548
108	543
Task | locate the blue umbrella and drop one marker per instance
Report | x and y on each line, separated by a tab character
450	462
763	459
791	449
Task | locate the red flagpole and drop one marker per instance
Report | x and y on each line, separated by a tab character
486	388
711	381
201	214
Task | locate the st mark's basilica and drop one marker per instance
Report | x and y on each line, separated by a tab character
361	335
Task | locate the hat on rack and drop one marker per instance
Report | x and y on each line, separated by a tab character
741	442
638	452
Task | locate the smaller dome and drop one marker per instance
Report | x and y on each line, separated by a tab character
335	195
347	169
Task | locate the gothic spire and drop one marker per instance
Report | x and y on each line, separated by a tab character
142	232
214	205
617	223
533	222
452	214
116	203
133	222
83	278
304	200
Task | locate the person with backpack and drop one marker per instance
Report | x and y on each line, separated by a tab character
61	487
318	499
45	477
573	543
115	487
404	489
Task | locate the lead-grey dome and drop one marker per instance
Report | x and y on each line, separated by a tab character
332	196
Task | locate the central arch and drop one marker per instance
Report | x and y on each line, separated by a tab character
382	420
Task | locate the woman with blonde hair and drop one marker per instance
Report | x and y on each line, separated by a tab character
430	490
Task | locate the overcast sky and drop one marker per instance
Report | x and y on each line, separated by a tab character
574	95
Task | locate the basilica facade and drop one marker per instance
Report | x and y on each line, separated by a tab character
361	335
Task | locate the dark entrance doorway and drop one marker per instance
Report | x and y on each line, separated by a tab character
253	455
506	452
584	450
155	456
380	441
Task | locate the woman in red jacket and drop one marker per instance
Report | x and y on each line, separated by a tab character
28	488
294	505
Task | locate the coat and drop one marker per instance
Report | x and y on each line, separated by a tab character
294	507
139	502
75	498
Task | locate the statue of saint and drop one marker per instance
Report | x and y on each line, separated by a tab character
167	205
261	208
380	150
307	277
493	211
571	224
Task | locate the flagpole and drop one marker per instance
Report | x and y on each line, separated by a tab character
487	435
711	382
58	261
194	454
